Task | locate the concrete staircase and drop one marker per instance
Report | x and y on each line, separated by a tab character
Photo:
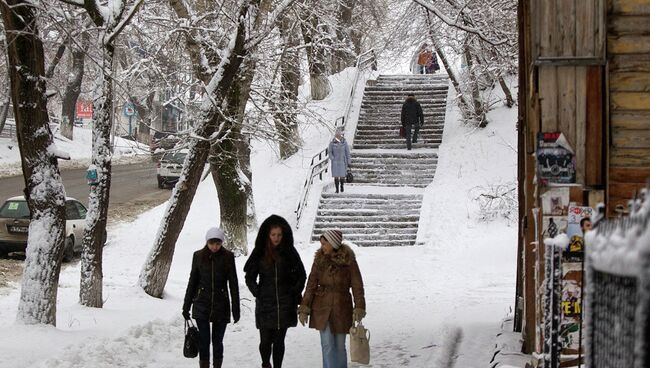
374	211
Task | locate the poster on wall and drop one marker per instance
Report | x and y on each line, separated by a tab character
579	221
571	307
555	201
555	159
553	225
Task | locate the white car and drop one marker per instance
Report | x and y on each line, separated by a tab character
14	226
170	167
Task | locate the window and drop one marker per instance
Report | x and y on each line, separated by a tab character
15	209
71	212
82	210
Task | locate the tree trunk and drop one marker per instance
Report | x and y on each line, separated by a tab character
344	54
316	56
286	121
229	178
473	85
43	187
90	292
155	271
510	102
73	88
462	102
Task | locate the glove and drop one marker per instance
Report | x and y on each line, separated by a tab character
303	318
303	314
186	314
358	314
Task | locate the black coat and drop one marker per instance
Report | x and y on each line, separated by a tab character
276	286
212	275
412	112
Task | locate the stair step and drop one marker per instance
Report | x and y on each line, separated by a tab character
365	225
368	212
376	237
393	168
395	146
392	185
380	243
370	231
378	217
375	196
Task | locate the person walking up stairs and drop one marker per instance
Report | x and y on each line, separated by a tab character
412	116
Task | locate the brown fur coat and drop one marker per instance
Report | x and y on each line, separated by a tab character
327	296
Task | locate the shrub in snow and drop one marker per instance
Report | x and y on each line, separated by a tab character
496	201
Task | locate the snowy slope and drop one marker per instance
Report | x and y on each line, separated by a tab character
462	275
80	150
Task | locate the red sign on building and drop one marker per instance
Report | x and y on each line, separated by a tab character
84	109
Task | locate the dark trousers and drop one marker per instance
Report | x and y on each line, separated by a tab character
272	341
218	331
411	138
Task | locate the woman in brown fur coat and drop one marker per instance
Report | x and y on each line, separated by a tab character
327	300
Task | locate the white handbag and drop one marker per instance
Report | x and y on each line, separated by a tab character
359	344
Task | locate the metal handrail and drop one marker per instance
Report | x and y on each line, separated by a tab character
319	161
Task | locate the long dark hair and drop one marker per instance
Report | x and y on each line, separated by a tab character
263	248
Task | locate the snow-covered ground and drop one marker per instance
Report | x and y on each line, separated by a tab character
461	276
80	150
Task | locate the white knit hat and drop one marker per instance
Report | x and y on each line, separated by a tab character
215	233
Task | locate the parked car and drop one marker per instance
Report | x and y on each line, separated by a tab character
163	141
170	166
14	226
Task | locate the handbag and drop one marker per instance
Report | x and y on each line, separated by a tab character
359	344
402	133
191	344
349	178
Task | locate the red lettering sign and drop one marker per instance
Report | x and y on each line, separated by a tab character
84	109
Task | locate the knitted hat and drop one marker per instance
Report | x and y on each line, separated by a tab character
334	237
215	233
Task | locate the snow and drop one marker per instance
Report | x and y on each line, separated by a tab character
79	151
623	250
450	292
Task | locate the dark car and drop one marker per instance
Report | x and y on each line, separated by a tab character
163	141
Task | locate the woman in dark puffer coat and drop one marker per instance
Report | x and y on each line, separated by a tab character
275	276
213	274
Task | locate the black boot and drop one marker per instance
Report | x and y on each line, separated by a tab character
336	183
217	363
341	181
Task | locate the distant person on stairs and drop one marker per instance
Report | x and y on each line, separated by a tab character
412	116
339	153
424	59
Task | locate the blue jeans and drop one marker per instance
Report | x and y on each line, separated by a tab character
333	346
218	331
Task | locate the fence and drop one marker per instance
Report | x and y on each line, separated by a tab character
319	161
617	310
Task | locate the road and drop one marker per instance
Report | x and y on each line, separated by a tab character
133	190
131	185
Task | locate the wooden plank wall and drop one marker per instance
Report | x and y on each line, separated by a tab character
628	51
571	94
564	96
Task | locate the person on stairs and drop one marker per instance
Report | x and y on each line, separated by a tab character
275	276
339	153
412	116
213	273
327	302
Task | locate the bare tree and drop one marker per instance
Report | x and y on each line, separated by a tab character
110	21
73	86
43	187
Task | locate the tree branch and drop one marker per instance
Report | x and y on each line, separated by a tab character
451	23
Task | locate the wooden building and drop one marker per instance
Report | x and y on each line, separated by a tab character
584	72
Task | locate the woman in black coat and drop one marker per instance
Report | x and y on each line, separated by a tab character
275	276
213	273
